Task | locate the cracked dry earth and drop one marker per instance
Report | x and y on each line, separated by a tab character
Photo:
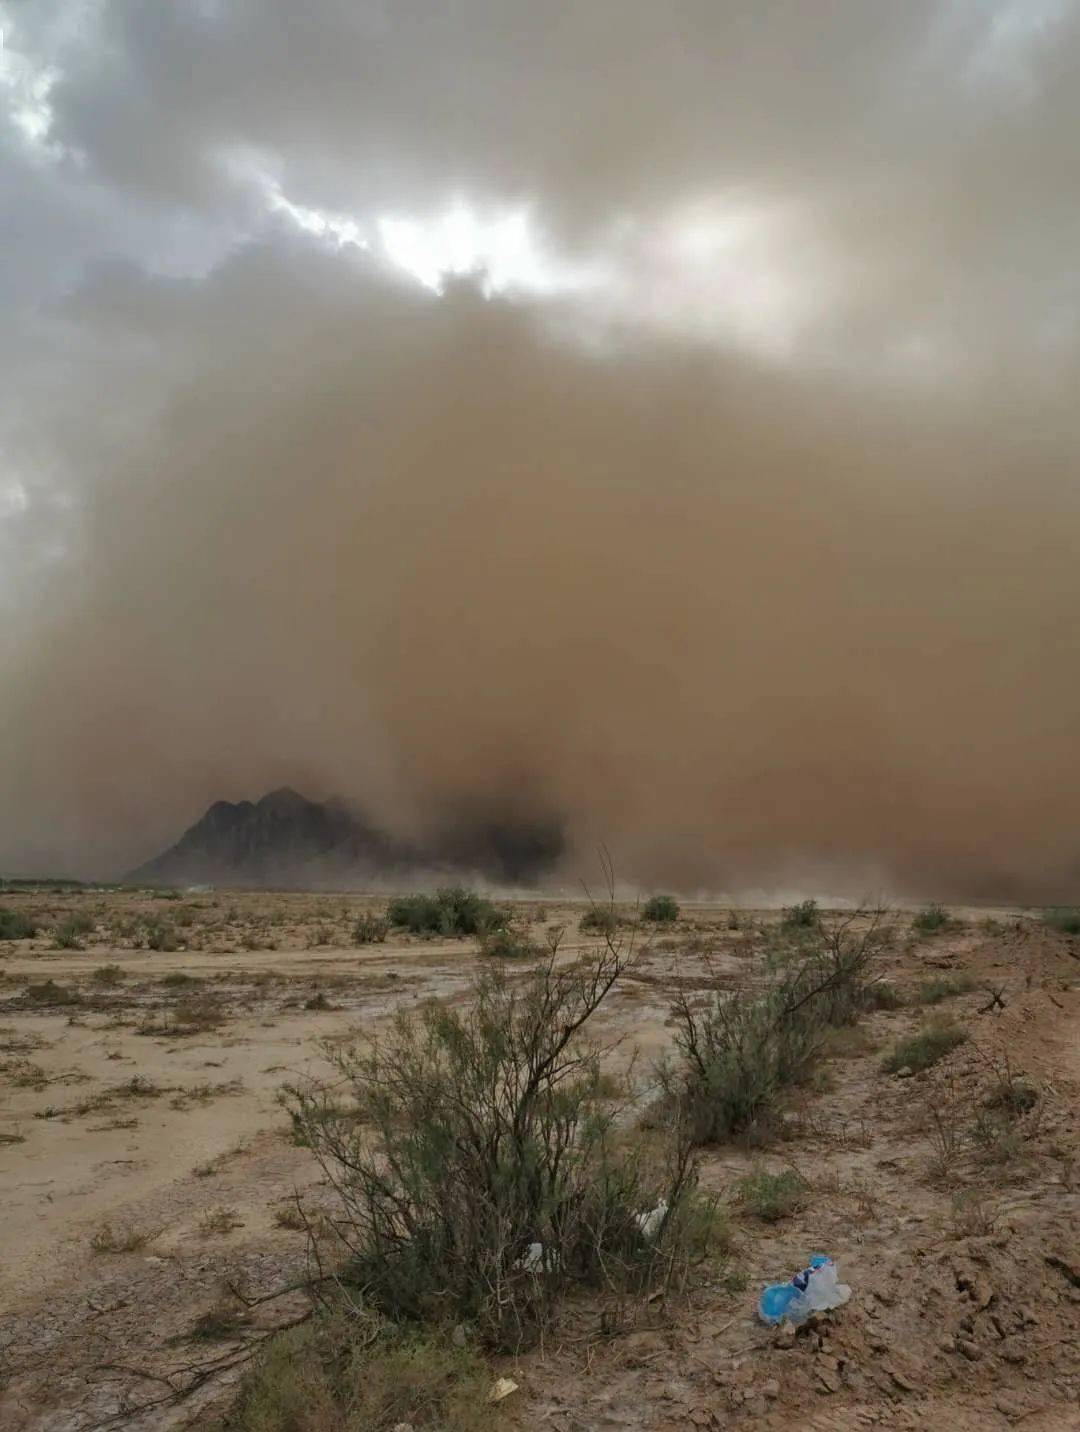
964	1259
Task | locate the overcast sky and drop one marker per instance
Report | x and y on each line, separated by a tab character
660	417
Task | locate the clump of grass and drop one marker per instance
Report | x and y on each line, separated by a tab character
370	930
108	975
318	1001
660	909
931	919
50	993
942	987
451	911
179	979
803	916
216	1222
337	1372
773	1196
126	1239
924	1048
1064	921
14	925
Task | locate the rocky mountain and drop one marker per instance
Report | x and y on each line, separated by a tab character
284	839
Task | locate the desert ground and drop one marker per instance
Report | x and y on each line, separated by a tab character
146	1163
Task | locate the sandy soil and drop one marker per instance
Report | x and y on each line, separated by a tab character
149	1105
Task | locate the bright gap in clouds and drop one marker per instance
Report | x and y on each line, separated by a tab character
502	249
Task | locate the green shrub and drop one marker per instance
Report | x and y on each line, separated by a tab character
480	1173
599	920
772	1196
931	919
804	916
370	930
449	912
160	935
661	909
933	991
924	1048
66	934
1065	922
14	925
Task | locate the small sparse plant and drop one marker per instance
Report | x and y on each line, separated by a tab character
599	920
50	993
924	1048
773	1196
973	1215
66	934
661	909
219	1221
996	1137
930	920
290	1216
224	1321
507	942
933	991
108	976
198	1013
126	1239
370	930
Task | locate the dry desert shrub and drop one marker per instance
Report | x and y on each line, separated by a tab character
477	1166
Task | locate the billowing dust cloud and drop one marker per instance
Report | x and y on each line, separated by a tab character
786	600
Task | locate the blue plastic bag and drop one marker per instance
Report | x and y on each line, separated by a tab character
789	1300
